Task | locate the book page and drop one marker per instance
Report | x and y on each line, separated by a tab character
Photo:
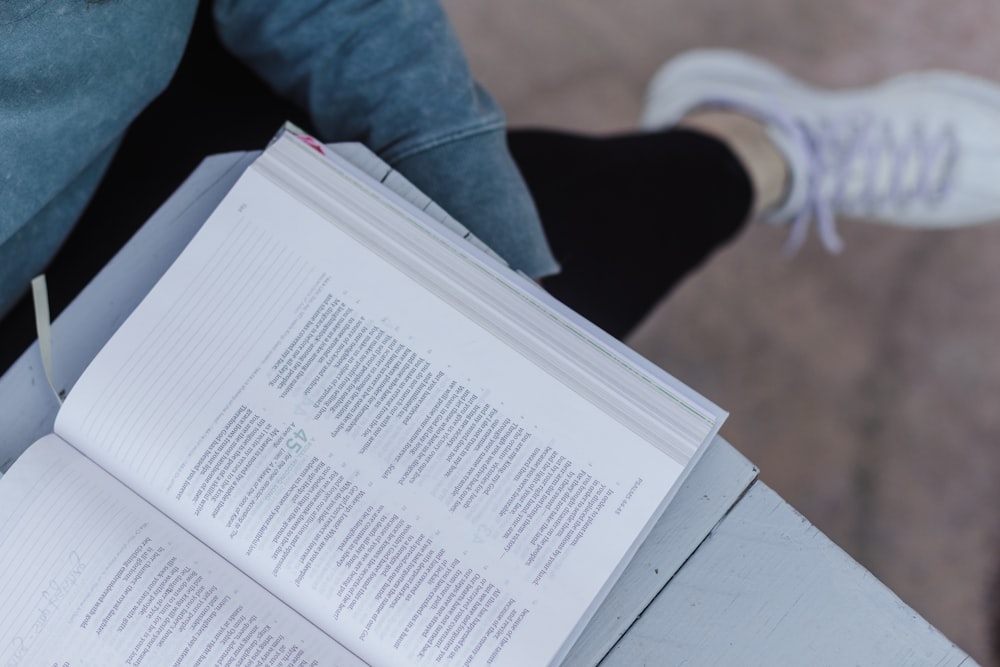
381	462
93	575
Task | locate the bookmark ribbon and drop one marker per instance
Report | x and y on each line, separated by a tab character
43	325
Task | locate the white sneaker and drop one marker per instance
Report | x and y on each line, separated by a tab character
918	150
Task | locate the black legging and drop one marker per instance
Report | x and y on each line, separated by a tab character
629	216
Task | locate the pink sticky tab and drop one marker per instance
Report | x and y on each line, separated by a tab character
310	141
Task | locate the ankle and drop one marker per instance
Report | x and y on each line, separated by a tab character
748	139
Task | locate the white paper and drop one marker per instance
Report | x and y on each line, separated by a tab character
229	401
93	575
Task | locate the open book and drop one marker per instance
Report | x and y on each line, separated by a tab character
337	433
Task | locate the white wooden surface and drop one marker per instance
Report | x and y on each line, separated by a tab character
767	588
731	574
717	481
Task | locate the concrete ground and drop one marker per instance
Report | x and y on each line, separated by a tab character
862	385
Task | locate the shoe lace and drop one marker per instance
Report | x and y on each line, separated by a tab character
859	164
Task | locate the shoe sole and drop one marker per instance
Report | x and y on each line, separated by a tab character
707	67
753	75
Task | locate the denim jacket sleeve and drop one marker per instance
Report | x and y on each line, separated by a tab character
390	73
73	75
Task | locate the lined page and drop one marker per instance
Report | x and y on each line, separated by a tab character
197	348
93	573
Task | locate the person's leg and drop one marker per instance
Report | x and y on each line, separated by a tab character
629	216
